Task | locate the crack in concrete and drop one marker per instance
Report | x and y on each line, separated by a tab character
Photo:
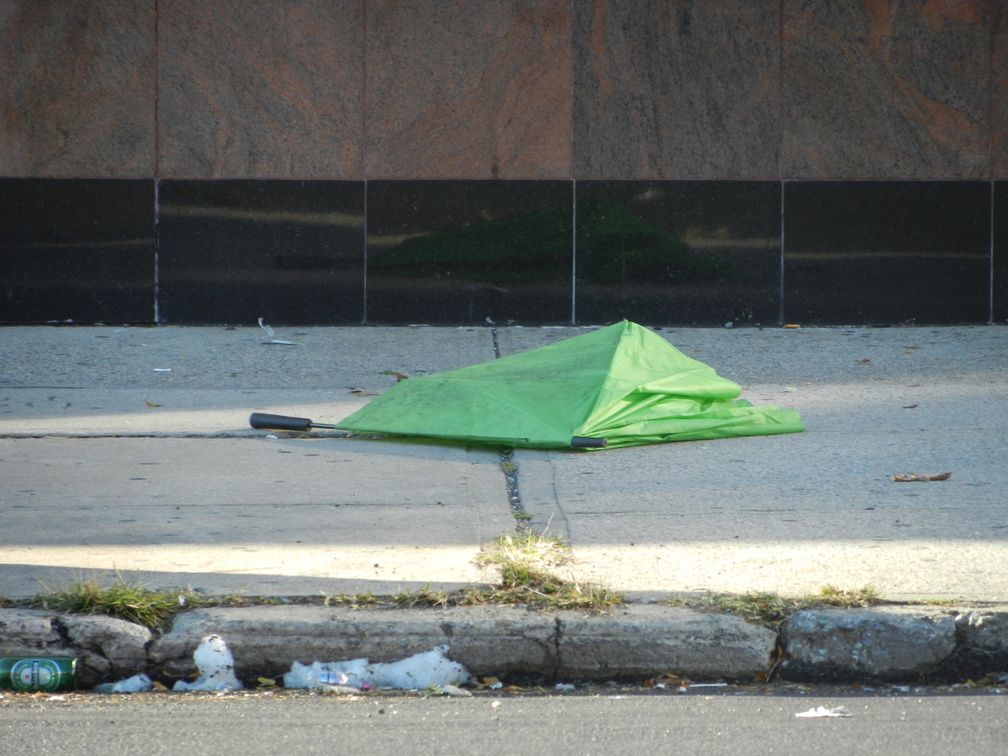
557	641
510	470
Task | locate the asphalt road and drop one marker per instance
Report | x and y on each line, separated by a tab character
603	723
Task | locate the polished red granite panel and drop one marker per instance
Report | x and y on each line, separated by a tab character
260	89
459	89
884	89
999	97
77	92
676	89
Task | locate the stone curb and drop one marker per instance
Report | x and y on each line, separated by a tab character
894	644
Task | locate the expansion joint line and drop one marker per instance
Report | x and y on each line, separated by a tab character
508	466
510	470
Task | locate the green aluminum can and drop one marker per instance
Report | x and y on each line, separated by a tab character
38	673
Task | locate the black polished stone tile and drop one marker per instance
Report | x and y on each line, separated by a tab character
76	250
468	252
887	252
1000	248
678	252
291	252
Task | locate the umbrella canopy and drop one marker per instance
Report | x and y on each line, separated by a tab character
618	386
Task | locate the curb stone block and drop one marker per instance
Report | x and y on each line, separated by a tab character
889	643
644	640
105	647
984	629
29	632
109	649
267	640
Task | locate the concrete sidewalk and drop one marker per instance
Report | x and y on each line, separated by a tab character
128	449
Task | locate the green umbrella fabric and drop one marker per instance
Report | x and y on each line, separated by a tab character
623	385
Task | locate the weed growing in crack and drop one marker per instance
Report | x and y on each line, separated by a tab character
829	595
770	610
355	601
425	596
526	559
526	562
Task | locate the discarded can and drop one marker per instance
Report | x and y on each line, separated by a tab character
32	673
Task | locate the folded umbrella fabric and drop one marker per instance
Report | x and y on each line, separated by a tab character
623	385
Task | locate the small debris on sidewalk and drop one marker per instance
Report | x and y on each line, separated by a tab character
269	332
919	477
823	712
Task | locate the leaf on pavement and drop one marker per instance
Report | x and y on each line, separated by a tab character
919	477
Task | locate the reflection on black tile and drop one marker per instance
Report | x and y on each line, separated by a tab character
678	252
76	250
1000	248
465	252
291	252
887	252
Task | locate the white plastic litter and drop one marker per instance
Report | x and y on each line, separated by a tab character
431	669
135	684
354	674
269	332
452	690
216	667
822	711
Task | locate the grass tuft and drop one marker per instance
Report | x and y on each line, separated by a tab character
829	595
355	601
526	559
125	600
425	596
770	610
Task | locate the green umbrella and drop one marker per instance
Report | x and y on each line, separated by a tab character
618	386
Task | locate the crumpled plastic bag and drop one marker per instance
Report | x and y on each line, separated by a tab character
216	667
430	669
135	684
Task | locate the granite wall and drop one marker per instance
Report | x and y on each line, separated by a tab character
531	161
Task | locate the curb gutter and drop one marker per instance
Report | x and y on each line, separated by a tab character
893	644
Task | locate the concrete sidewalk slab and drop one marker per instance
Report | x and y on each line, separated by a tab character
793	513
786	513
206	381
251	516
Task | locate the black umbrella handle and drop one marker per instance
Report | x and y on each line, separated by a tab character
583	442
265	421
